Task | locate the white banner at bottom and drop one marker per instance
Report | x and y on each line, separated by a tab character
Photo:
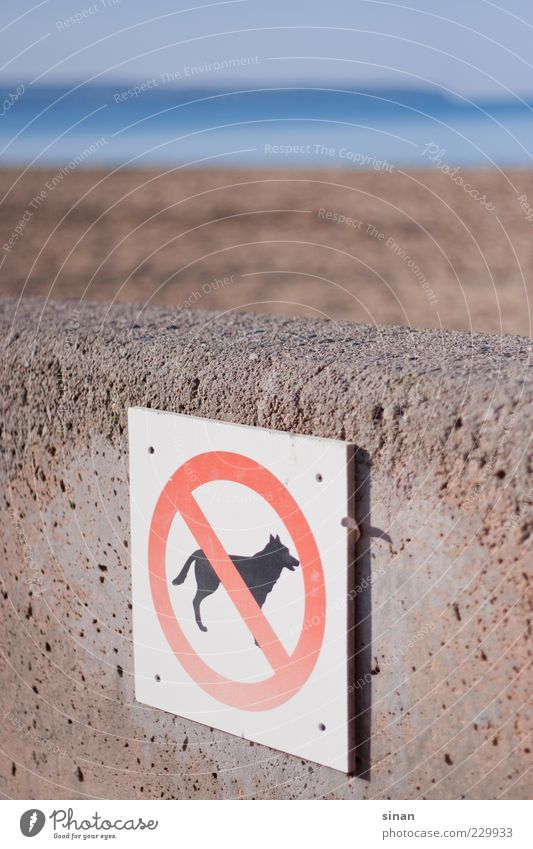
267	824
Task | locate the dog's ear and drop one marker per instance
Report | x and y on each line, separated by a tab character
278	539
272	538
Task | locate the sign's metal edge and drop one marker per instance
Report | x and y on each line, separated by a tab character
268	430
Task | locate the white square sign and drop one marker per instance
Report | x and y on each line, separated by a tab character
241	561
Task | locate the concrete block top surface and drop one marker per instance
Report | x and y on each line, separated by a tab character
442	426
326	378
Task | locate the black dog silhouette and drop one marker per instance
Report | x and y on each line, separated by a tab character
259	572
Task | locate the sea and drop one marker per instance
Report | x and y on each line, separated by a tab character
155	123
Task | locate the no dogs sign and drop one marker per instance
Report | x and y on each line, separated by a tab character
240	553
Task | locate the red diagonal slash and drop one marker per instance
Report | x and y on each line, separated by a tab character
236	587
289	672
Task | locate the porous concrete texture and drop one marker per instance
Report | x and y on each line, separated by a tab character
442	422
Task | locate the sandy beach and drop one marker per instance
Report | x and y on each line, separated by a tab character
421	248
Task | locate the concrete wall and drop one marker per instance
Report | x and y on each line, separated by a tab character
442	421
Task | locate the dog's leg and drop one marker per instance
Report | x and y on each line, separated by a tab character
198	598
207	581
260	603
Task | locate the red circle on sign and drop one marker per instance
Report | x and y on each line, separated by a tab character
290	671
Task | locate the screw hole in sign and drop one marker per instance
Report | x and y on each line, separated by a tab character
151	449
319	477
321	726
158	678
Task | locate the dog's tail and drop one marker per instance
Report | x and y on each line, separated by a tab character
183	574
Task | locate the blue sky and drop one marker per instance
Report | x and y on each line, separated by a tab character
471	47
